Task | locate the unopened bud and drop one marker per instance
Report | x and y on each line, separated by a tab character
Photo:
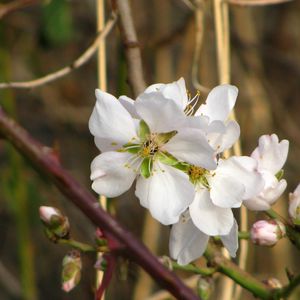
204	287
294	205
56	223
267	233
71	270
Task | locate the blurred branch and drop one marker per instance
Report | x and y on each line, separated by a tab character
10	282
6	9
80	61
199	30
132	47
43	158
256	2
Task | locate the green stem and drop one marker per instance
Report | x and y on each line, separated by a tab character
291	232
77	245
241	277
194	269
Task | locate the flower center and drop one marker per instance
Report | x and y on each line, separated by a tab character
150	146
198	175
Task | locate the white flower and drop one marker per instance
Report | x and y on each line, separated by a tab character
210	117
294	205
188	243
148	150
270	156
217	191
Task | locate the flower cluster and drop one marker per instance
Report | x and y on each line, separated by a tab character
173	148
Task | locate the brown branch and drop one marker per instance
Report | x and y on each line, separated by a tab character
13	6
256	2
80	61
132	48
43	158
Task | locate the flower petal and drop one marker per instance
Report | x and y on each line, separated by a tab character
270	154
190	145
110	121
210	219
242	170
128	104
109	175
225	190
175	91
219	103
167	193
231	240
161	114
187	242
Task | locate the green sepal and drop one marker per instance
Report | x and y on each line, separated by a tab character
131	148
279	174
165	137
146	167
144	130
166	158
182	166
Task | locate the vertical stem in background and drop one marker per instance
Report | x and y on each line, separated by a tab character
222	28
102	84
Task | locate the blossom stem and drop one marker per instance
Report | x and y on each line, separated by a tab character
228	268
194	269
77	245
244	235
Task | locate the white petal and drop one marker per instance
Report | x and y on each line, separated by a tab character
109	175
270	154
294	202
271	192
167	193
190	145
231	240
161	114
187	242
210	219
175	91
110	121
128	104
243	170
226	191
219	103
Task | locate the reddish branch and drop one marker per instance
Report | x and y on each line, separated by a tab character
46	161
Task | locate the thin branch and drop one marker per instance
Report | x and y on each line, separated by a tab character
256	2
80	61
132	48
43	158
6	9
228	268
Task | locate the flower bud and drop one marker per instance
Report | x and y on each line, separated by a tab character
71	270
267	233
294	205
57	225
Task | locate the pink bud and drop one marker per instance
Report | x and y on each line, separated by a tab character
47	212
267	233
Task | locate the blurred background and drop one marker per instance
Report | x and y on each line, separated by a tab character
44	37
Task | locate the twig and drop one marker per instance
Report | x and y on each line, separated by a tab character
42	157
199	30
256	2
81	60
132	48
6	9
227	267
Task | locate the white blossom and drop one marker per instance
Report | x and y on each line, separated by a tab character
294	205
270	156
148	149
